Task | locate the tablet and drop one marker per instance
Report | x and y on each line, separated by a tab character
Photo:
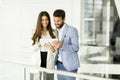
43	41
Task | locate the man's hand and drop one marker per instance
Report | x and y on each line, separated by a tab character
57	44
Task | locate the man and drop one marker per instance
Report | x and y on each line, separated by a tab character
68	45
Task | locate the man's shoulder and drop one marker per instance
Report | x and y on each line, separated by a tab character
71	27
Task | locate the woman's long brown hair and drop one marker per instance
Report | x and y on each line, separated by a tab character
39	27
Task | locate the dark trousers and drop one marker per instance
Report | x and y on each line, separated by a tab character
43	59
46	76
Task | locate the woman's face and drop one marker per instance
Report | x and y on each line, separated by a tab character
45	21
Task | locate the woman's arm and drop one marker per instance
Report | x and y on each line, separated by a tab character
37	45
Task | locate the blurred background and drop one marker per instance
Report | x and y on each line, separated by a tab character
98	24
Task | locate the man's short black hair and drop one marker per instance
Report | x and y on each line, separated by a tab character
59	13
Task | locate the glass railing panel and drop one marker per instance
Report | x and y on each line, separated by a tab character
11	71
95	54
37	73
17	71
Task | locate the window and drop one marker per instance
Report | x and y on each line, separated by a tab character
95	27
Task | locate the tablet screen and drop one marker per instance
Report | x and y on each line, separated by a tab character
43	41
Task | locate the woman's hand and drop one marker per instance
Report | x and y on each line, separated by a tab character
39	44
50	47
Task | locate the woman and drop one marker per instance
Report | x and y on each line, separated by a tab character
44	53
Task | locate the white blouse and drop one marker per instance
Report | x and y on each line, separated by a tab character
36	59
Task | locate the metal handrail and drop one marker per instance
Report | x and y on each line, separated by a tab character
81	76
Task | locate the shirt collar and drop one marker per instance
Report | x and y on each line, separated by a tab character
61	30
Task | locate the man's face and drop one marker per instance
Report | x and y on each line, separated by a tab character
59	22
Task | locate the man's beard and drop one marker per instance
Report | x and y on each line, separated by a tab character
61	25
